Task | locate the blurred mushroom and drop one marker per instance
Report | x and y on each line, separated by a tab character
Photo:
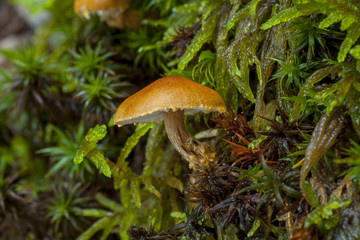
115	12
169	99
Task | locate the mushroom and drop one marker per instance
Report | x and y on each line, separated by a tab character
115	12
169	99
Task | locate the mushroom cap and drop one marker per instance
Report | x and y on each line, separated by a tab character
168	93
85	7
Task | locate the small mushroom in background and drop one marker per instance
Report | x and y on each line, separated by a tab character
168	99
115	12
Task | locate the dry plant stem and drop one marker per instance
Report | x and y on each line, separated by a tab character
198	154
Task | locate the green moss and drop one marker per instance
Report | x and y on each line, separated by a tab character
288	71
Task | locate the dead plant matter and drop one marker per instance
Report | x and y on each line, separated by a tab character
284	135
183	38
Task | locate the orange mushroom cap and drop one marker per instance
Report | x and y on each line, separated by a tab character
176	93
85	7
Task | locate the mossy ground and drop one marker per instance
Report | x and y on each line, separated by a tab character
288	151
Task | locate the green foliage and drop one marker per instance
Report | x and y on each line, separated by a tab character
6	160
90	61
185	14
229	55
311	99
254	227
35	89
129	184
30	63
154	153
355	51
324	217
179	215
251	173
354	161
306	33
332	96
323	137
88	149
148	46
100	92
164	6
203	36
64	152
204	69
7	100
271	186
122	172
342	11
292	71
64	212
107	219
140	131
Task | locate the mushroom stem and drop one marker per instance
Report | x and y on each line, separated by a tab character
196	153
